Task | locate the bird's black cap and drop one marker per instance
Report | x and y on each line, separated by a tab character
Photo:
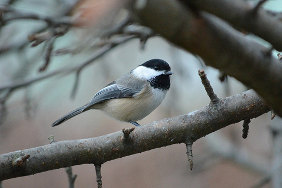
157	64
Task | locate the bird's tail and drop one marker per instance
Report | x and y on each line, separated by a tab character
70	115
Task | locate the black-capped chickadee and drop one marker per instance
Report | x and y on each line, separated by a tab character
133	96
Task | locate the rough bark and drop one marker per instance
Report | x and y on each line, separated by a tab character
161	133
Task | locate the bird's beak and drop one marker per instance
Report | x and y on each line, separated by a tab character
168	73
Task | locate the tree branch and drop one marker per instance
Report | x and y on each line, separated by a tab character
161	133
220	45
240	14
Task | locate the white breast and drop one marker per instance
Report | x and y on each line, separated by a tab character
133	109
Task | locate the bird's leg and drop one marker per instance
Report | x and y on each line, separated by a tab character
135	123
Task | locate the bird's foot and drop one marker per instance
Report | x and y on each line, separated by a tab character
135	123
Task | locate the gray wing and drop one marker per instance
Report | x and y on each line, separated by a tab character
113	91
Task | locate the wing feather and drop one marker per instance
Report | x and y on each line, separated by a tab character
112	91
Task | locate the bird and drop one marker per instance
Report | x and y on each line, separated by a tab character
131	97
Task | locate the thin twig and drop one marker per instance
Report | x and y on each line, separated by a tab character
245	130
208	87
20	45
58	29
20	83
17	15
51	139
6	95
97	55
129	31
75	85
39	33
98	175
3	107
189	154
3	112
37	38
126	134
48	54
47	35
28	100
71	177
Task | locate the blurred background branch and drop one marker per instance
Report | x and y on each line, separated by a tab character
45	46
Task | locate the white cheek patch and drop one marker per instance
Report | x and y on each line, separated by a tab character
146	73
